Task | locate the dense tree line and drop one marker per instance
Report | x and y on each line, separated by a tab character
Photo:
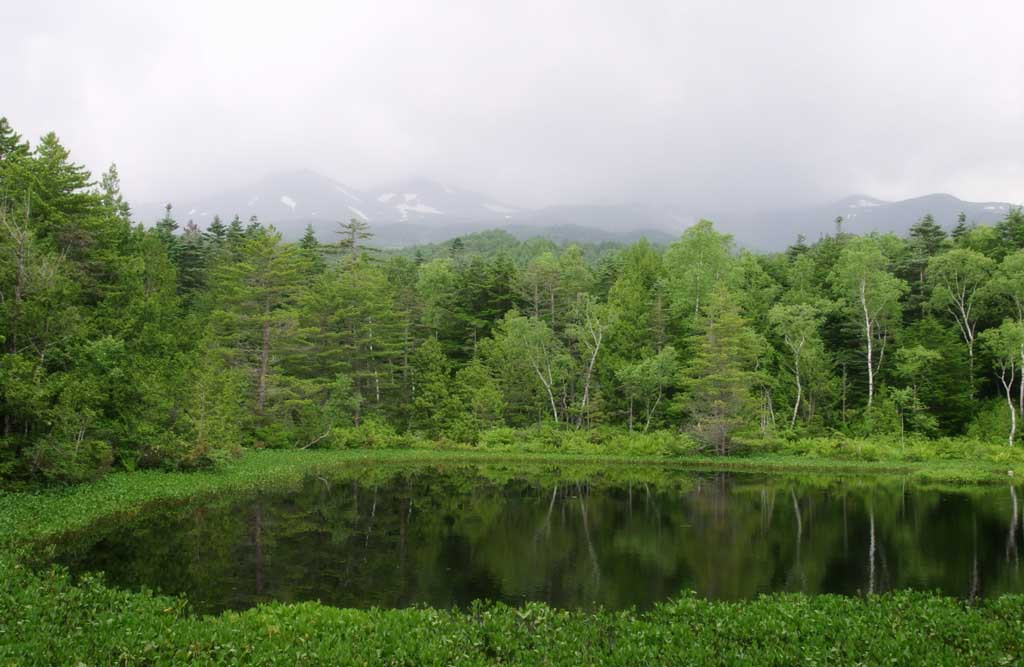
169	345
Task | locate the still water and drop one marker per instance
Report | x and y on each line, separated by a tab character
445	536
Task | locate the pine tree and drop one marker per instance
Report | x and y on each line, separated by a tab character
254	228
310	248
431	395
456	248
191	260
216	233
110	194
166	226
1011	229
798	248
961	229
255	309
926	240
352	234
65	210
235	234
11	143
718	378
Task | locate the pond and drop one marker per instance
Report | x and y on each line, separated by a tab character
615	538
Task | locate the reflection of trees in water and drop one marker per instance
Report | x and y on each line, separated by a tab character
445	537
1011	537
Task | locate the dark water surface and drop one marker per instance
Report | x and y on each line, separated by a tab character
574	539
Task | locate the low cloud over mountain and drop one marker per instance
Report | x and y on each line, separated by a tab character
420	211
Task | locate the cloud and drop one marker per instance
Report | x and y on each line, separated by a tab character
756	104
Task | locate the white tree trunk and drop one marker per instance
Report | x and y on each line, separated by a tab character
869	335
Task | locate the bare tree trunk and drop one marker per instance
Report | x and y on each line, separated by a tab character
548	382
1020	388
1008	386
1011	537
869	335
799	395
651	411
596	331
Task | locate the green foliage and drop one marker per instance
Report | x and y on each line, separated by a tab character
695	265
719	377
47	617
125	347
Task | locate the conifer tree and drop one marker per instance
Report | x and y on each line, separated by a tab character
110	194
352	234
216	233
255	309
718	378
961	229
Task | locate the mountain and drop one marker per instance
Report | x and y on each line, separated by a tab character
862	214
291	200
423	211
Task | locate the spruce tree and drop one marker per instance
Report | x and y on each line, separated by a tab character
110	194
256	298
352	234
216	233
961	229
718	378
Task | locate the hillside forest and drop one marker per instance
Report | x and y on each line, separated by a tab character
157	343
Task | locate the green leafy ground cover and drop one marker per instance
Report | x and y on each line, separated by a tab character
47	618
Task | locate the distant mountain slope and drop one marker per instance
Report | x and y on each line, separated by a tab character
423	211
290	200
862	214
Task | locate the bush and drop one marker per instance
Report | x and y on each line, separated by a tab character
371	434
991	422
598	441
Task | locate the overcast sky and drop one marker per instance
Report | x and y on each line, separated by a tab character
533	102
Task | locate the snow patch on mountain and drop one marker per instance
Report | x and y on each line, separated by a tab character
864	203
498	208
386	197
405	209
289	202
359	213
346	193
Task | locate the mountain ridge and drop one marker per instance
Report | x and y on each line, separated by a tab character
424	211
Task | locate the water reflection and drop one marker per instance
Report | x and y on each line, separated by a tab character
447	537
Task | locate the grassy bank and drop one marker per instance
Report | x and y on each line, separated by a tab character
47	618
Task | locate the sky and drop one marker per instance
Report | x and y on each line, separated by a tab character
535	103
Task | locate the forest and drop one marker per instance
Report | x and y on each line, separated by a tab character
159	344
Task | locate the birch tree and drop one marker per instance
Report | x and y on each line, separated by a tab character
695	265
957	279
1006	345
591	324
646	382
872	297
798	325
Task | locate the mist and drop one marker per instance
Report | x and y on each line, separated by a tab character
712	104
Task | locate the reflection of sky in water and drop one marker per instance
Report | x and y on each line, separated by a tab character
447	538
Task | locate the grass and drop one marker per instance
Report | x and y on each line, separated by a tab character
46	618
